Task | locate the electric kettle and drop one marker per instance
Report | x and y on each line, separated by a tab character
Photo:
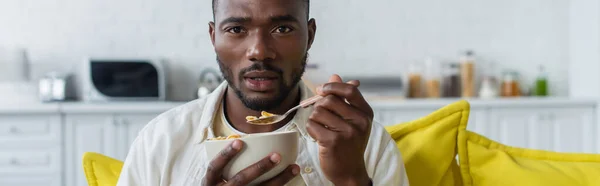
210	79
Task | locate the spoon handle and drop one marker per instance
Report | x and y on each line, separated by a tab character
310	101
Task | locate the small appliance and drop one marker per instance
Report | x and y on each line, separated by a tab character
124	80
55	86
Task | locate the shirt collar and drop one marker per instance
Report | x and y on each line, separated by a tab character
209	112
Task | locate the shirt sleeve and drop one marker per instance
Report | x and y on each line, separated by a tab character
389	169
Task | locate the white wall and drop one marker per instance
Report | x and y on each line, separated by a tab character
351	33
584	71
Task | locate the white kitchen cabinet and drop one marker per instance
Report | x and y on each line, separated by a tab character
390	116
128	127
106	133
30	130
46	148
573	129
387	116
87	133
31	149
31	180
554	129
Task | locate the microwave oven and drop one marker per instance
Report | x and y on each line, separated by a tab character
124	80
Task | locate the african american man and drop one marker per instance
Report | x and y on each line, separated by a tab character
262	48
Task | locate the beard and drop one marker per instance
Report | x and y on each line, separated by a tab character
283	88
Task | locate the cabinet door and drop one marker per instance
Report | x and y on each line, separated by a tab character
478	120
572	129
30	130
129	125
515	127
86	133
391	116
553	129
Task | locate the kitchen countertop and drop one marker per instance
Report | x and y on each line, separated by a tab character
23	106
396	102
119	107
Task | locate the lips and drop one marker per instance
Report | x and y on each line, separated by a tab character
261	81
261	75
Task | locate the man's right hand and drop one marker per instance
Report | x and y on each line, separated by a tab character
214	173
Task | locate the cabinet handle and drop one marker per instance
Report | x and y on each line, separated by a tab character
14	161
116	122
551	116
14	130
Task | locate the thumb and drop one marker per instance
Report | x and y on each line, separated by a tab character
354	82
332	79
335	79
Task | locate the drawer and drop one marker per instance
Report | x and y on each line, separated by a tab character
31	180
28	130
30	161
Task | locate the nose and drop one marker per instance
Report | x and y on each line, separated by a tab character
260	49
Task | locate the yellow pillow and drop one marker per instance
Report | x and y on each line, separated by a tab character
101	170
428	145
489	163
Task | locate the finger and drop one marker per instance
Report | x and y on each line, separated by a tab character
346	113
335	78
255	170
318	132
284	177
326	117
354	82
215	167
350	93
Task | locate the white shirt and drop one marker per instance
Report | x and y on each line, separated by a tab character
170	150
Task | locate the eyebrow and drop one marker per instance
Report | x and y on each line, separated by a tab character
279	18
236	20
284	18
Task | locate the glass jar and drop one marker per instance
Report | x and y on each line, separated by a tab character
432	79
451	82
415	78
510	84
467	72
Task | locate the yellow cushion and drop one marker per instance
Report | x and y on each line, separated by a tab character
428	145
101	170
489	163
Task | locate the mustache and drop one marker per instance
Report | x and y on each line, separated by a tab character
261	67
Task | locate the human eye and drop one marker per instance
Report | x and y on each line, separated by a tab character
283	29
235	30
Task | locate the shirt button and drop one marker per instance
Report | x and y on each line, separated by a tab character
307	170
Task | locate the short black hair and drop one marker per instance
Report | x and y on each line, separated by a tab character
306	3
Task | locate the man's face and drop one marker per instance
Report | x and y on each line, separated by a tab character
261	47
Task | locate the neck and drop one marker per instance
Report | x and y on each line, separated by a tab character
236	112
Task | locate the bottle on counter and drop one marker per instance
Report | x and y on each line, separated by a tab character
510	84
541	83
415	80
488	88
489	83
432	78
451	82
467	74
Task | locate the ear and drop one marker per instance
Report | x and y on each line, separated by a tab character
211	32
312	29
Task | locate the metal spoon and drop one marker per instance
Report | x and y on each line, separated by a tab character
277	118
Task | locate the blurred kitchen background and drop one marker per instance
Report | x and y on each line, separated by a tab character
530	69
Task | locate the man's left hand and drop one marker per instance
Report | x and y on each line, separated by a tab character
341	124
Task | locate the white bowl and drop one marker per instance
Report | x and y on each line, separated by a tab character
256	147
